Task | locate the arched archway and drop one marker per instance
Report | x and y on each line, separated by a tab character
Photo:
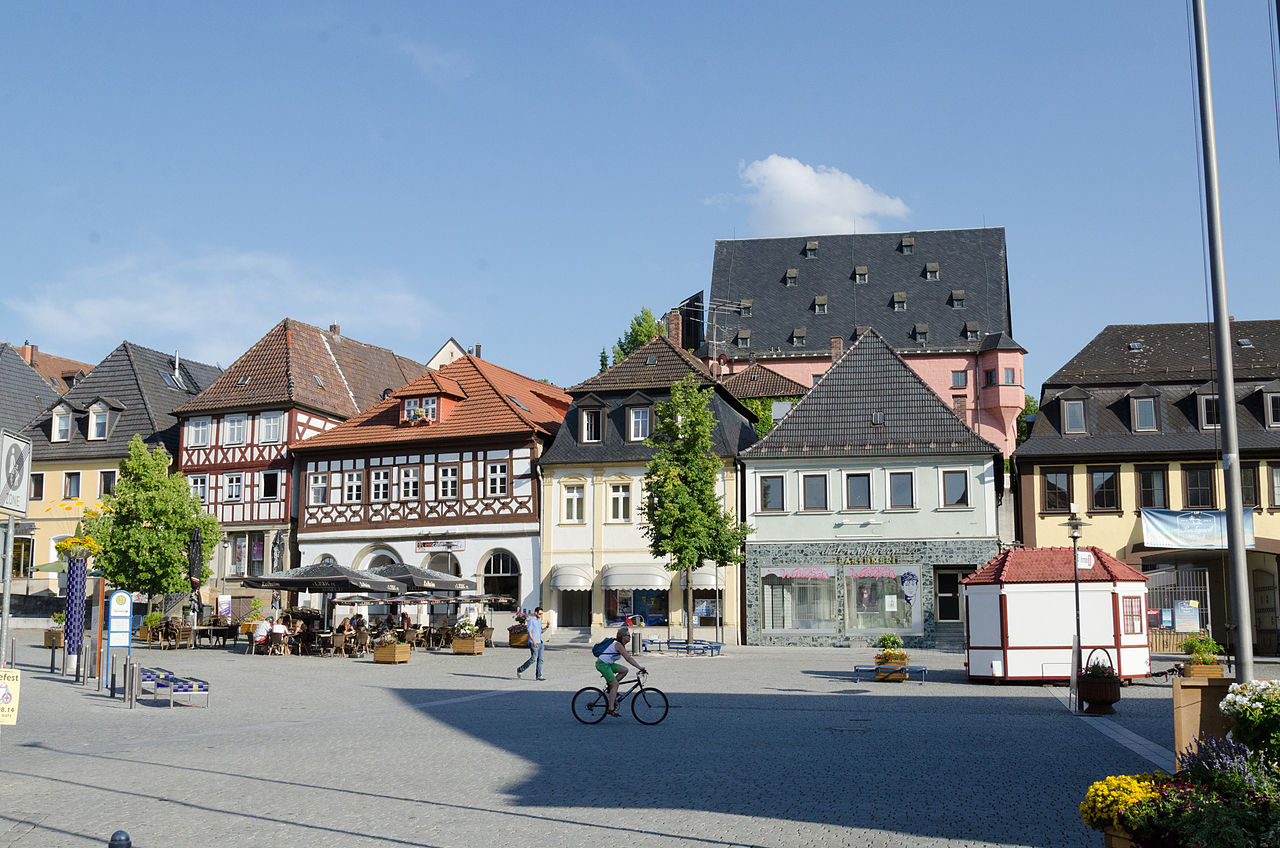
326	559
445	562
501	576
374	555
382	559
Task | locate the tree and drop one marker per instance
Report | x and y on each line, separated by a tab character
763	408
642	330
145	527
1031	407
604	360
686	523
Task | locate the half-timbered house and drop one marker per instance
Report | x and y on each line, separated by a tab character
297	381
440	474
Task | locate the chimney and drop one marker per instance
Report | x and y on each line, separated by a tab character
478	356
177	368
837	347
674	329
28	352
335	328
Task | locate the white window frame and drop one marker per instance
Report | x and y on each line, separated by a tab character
1011	376
496	479
379	485
102	477
942	488
233	487
1067	406
410	406
597	414
199	485
870	491
198	432
447	485
234	426
575	502
278	476
804	492
32	485
409	483
1209	403
270	428
97	415
67	477
1135	410
60	427
782	487
888	490
1271	403
353	486
620	503
318	489
639	420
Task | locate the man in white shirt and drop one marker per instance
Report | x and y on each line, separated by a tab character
260	631
534	625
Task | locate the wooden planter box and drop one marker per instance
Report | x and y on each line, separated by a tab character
1114	838
468	645
398	653
54	638
1197	670
518	640
891	675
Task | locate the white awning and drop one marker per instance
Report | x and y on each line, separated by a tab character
638	575
704	577
568	577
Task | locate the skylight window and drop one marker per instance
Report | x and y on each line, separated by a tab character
1245	342
1135	346
169	380
877	418
517	402
652	360
860	274
319	382
243	381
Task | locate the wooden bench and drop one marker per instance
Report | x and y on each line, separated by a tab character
876	670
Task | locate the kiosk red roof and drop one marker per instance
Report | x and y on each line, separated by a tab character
1052	565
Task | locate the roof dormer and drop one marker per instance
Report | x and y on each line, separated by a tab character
1144	409
428	400
1206	396
1271	403
1073	408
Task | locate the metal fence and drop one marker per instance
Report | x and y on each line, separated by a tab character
1165	587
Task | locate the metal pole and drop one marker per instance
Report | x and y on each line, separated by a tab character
8	590
1079	646
1238	574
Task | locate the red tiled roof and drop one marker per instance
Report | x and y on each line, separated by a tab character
759	381
55	369
494	401
431	383
670	363
296	363
1052	565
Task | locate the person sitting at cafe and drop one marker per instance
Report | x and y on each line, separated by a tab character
260	633
344	627
358	622
279	627
301	637
389	623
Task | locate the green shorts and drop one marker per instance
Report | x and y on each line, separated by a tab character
608	670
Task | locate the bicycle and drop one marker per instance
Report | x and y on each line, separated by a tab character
648	705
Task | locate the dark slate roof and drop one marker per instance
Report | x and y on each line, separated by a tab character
281	369
1173	364
613	388
58	371
132	377
835	417
760	382
24	394
971	263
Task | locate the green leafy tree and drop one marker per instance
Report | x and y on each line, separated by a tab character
145	527
686	523
1031	407
763	408
642	330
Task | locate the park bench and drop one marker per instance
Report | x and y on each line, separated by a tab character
701	647
874	670
189	685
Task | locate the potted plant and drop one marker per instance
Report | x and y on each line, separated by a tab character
518	633
1202	657
1098	685
150	624
891	655
54	637
467	639
252	617
389	649
1106	801
1253	709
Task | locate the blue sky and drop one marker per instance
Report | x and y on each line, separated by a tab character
528	176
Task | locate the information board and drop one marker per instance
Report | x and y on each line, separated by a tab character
10	679
119	619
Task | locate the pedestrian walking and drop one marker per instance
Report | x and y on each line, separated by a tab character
535	645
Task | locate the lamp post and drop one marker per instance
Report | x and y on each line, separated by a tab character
1073	524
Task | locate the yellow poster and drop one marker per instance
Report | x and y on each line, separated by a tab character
9	680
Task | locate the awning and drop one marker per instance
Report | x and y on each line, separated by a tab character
705	577
568	577
639	575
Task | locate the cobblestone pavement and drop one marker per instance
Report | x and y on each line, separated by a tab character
763	747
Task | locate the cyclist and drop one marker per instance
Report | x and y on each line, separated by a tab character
611	670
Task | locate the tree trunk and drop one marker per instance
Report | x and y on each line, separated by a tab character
688	607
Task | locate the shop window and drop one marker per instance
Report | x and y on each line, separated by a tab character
882	598
621	604
502	578
246	554
706	608
798	599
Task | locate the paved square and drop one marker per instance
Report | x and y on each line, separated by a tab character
774	747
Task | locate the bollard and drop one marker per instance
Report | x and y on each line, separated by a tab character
635	644
115	661
120	839
53	659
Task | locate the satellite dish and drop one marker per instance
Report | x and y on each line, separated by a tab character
722	359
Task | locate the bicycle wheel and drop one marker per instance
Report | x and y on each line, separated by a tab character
649	705
589	705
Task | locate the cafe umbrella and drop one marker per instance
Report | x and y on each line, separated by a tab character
195	569
423	578
326	578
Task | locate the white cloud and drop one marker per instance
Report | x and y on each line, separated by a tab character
791	198
438	65
211	308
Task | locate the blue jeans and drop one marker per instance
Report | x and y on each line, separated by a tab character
535	653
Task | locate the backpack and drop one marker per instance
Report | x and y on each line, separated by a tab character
600	647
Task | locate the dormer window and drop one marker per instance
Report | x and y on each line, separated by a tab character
931	271
900	301
811	250
971	331
798	337
420	409
922	333
638	423
744	308
61	427
790	278
957	298
1209	412
744	338
877	419
1073	416
1271	403
861	274
97	422
908	245
820	305
1144	414
592	425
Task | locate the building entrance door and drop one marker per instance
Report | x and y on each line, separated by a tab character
947	607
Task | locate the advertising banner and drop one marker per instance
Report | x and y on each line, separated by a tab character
1193	528
1186	616
10	679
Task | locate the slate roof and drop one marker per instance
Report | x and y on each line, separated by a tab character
758	381
281	369
1172	365
495	402
24	394
613	388
836	417
131	381
971	267
1052	565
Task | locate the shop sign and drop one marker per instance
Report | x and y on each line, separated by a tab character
812	572
1186	616
436	545
877	553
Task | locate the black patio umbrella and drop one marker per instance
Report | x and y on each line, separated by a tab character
423	578
325	578
195	567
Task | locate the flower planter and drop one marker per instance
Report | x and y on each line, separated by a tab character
1115	838
468	644
397	653
54	638
518	640
891	675
1199	670
1099	694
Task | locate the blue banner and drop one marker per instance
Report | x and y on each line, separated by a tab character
1191	528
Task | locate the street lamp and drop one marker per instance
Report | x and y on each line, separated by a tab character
1073	524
